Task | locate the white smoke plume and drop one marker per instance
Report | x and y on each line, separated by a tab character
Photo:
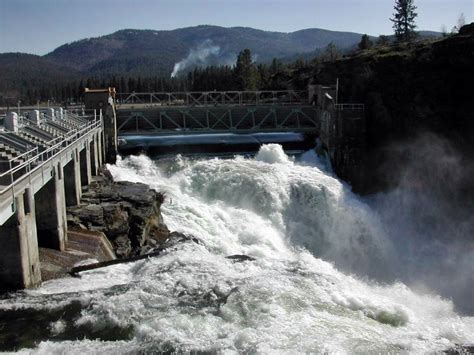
197	56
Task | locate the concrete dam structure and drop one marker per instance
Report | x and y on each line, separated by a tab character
48	155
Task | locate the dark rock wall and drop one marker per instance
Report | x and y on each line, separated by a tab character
409	89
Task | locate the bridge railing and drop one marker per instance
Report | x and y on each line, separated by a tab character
36	159
213	98
346	107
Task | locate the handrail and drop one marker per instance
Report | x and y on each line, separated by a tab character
26	153
211	92
23	119
209	97
350	106
44	156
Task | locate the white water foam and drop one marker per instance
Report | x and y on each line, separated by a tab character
283	214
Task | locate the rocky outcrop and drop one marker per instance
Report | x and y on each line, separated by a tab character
127	213
408	89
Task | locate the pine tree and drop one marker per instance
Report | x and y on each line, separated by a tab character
365	43
383	41
404	20
331	53
245	71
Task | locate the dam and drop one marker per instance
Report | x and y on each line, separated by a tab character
49	155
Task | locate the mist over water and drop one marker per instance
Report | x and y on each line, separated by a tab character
327	276
429	216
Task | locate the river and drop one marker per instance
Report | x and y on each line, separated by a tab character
322	278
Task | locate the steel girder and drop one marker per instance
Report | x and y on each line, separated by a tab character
167	120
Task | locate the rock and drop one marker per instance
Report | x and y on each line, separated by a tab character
238	258
116	219
460	349
467	29
90	214
175	238
158	232
136	193
122	246
127	213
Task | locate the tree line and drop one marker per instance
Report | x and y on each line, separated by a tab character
244	75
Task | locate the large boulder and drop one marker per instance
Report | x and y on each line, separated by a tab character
127	213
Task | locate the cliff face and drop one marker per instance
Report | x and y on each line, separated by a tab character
127	213
409	89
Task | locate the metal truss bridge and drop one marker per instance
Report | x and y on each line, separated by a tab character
215	112
212	98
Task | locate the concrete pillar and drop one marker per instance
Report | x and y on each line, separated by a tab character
11	122
35	117
59	114
110	134
50	112
51	212
100	152
72	180
85	164
94	157
19	264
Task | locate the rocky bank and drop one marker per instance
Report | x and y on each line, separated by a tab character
409	89
127	213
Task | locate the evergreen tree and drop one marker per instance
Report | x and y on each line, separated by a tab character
331	53
245	71
404	20
365	43
383	41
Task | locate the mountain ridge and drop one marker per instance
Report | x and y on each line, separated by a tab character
145	53
170	46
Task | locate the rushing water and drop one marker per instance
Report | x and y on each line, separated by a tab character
316	248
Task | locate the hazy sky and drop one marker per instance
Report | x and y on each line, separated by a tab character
39	26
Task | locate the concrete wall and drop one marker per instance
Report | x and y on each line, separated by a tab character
19	264
50	203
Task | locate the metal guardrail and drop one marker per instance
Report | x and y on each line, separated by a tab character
213	98
39	159
344	107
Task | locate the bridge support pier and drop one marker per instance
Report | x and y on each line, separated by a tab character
85	163
100	152
50	203
72	181
19	264
94	157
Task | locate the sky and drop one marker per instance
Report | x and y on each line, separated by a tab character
40	26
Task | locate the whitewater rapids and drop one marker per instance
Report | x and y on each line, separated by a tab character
316	247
